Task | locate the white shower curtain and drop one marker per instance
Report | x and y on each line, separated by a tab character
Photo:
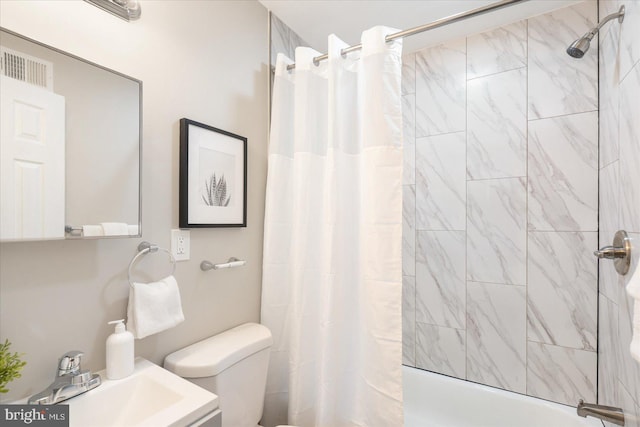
332	274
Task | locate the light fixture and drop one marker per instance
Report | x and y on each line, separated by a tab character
129	10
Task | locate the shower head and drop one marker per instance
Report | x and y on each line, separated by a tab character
578	48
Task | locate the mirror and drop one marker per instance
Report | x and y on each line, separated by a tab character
70	146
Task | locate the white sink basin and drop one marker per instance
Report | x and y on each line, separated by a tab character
151	396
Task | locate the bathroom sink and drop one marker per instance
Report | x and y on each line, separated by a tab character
151	396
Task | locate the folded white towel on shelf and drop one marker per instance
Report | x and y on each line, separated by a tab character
633	289
92	230
154	307
133	229
115	228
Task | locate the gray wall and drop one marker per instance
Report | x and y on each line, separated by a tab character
501	208
206	61
619	374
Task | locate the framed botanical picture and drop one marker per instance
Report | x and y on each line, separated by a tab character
213	177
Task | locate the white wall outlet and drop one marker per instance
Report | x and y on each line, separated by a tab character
181	244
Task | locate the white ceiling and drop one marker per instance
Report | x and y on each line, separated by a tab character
314	20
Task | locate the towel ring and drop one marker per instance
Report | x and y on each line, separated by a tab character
146	248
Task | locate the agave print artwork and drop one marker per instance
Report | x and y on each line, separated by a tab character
215	192
217	173
213	177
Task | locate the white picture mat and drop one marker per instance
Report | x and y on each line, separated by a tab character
199	213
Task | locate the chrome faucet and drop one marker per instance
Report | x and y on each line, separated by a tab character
605	413
70	381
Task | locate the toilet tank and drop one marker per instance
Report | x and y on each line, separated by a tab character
233	365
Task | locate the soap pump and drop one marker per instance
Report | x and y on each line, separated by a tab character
119	352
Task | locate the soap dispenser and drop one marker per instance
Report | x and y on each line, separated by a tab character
119	352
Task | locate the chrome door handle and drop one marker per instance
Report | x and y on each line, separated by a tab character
620	252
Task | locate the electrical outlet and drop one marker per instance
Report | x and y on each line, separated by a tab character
180	244
180	249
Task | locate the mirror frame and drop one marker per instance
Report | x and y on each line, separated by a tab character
140	114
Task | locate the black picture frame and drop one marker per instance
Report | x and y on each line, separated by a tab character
213	177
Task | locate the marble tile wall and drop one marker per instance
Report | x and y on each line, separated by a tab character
441	182
497	125
619	60
440	281
496	326
283	39
501	208
563	164
441	76
496	231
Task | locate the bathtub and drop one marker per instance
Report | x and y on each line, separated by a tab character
433	400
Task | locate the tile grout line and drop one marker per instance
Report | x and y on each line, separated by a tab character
466	208
537	119
438	134
484	282
526	226
415	211
508	70
566	347
598	189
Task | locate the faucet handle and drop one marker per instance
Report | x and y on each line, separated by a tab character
70	363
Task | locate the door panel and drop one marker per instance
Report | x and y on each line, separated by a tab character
32	162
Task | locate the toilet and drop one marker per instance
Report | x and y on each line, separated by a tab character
233	365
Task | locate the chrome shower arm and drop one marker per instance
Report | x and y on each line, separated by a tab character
619	15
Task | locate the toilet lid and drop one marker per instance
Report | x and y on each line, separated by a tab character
219	352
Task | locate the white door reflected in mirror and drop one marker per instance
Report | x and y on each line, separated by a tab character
32	156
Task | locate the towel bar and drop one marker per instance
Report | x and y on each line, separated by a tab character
233	262
147	248
73	230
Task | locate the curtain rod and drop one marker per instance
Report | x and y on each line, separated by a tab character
426	27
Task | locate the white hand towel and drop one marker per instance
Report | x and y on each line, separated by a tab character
92	230
115	228
633	289
154	307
